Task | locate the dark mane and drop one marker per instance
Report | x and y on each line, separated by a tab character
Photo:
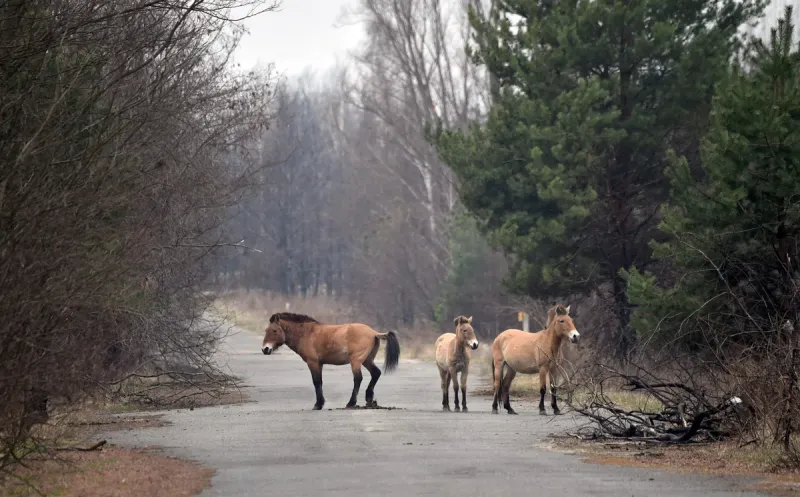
292	317
460	320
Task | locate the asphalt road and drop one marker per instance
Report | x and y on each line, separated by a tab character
277	446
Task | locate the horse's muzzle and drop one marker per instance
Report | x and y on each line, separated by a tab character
574	336
266	350
474	345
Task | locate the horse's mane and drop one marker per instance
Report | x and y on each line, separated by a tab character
556	309
460	320
291	317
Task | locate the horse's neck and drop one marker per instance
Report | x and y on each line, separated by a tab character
554	340
295	333
459	347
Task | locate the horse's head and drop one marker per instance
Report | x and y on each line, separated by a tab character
464	331
563	325
274	336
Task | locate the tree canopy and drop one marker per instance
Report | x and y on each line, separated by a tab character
733	232
566	173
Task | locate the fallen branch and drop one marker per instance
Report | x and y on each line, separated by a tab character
92	447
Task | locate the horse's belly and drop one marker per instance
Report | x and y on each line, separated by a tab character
522	366
337	360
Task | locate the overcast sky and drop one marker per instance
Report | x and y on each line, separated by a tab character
303	33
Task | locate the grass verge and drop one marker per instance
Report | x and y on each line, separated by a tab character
762	463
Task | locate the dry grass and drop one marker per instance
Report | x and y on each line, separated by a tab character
725	458
110	472
527	387
250	310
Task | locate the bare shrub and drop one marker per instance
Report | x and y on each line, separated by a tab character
120	122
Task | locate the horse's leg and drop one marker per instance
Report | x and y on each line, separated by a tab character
554	404
357	377
464	374
509	377
316	377
445	401
375	373
542	389
447	378
454	377
497	374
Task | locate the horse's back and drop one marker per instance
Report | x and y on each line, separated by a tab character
507	336
337	343
517	349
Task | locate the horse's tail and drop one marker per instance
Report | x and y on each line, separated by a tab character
502	370
499	391
392	351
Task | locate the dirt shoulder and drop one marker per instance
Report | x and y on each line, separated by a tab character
109	472
60	465
725	458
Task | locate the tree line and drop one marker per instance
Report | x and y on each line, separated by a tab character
357	204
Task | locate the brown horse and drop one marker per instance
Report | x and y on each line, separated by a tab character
336	344
531	353
452	357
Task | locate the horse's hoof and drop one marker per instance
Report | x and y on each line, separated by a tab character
542	412
494	411
464	409
317	407
512	411
372	403
351	406
556	412
457	409
446	408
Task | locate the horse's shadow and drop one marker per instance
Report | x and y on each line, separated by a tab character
367	407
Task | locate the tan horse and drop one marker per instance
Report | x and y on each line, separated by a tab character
336	344
452	357
567	357
531	353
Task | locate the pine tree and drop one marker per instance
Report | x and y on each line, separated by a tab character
734	233
567	172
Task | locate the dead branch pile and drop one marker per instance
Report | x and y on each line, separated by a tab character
661	412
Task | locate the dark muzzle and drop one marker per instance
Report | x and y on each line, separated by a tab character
266	350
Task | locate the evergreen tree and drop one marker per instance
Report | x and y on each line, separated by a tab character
567	172
472	283
734	234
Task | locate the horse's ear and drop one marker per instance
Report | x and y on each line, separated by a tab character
568	308
469	320
457	321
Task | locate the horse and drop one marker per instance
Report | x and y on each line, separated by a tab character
452	357
531	353
335	344
567	357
